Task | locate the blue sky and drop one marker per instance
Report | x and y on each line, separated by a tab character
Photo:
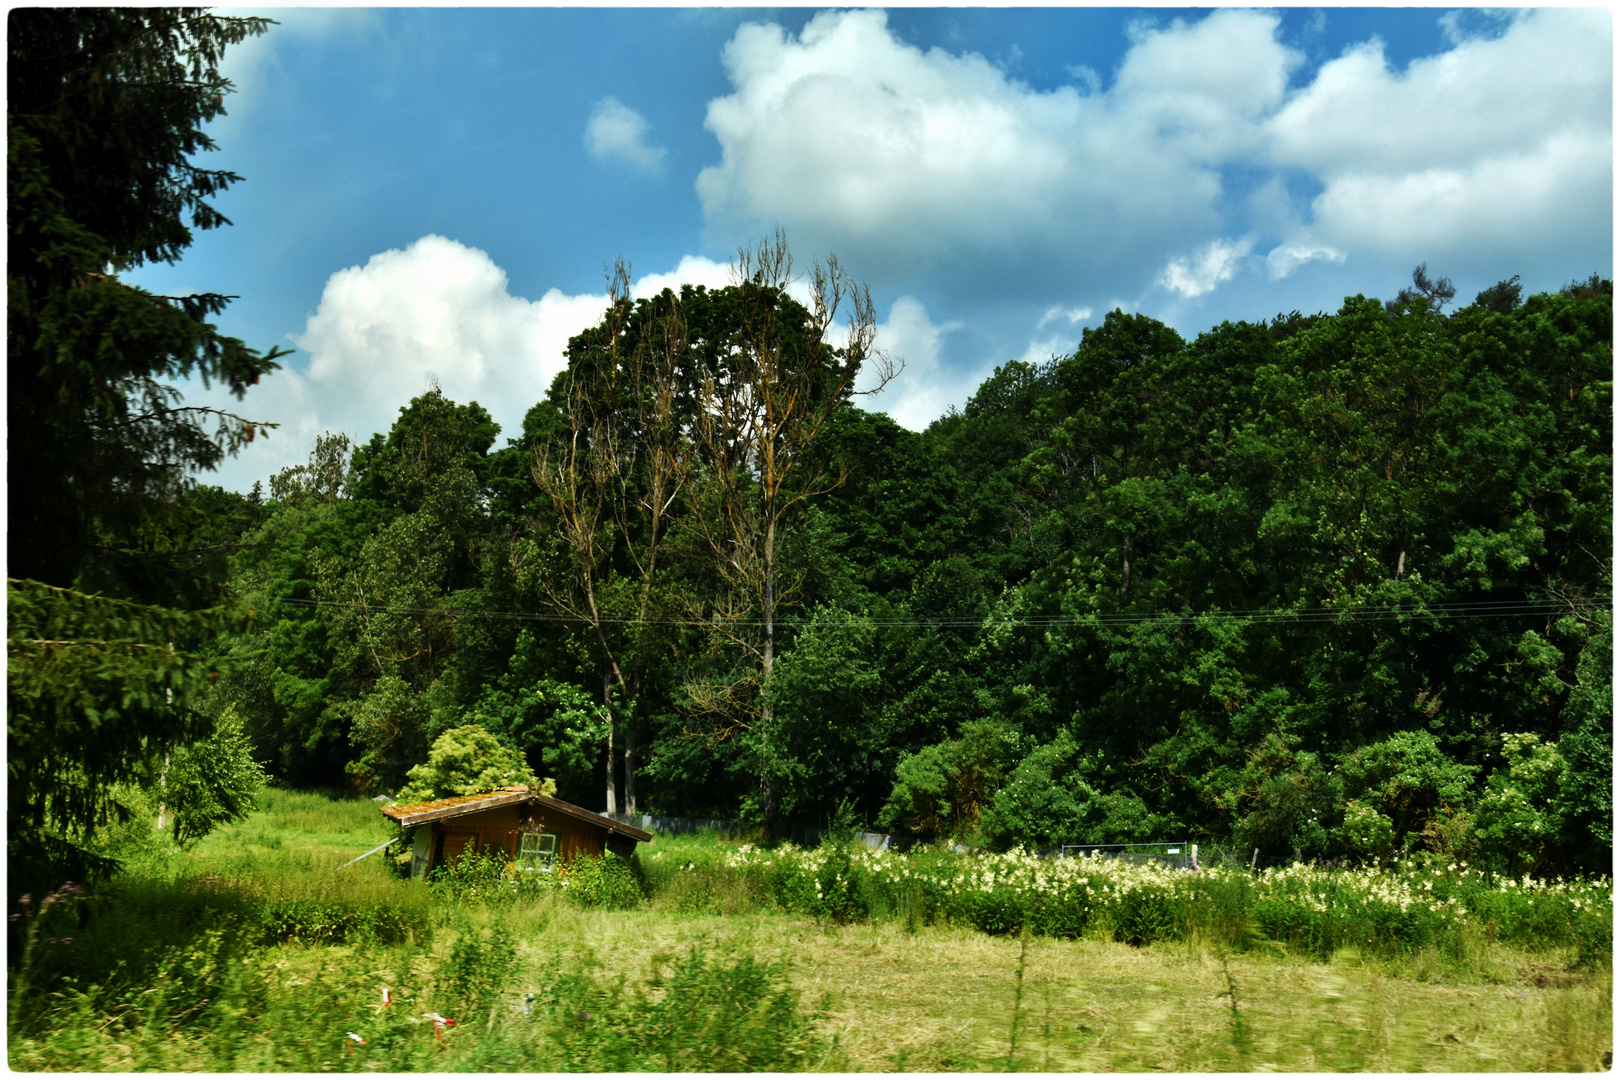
431	194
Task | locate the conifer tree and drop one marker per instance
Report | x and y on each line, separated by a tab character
108	613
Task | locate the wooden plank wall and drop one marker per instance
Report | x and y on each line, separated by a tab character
496	830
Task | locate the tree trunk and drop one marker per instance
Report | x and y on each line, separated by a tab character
629	768
163	789
1125	573
163	777
607	700
766	796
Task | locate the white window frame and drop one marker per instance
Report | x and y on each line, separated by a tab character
542	856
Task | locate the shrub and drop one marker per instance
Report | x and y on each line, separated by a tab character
474	878
741	1016
608	882
1518	822
1408	779
212	782
1147	914
1062	912
940	789
321	922
995	909
1286	797
1292	923
738	1018
1365	832
469	760
1037	808
843	893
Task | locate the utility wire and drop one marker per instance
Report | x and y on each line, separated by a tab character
1484	609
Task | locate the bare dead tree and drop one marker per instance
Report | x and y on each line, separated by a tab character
762	407
653	491
606	475
579	478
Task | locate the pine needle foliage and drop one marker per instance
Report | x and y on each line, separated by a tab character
111	610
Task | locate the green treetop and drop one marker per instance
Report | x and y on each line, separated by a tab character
469	761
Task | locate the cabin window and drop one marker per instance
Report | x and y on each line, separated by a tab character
537	851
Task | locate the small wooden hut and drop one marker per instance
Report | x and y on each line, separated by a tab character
532	829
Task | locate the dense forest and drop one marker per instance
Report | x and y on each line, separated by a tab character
1336	583
1242	586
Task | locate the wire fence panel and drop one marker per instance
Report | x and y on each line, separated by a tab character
677	826
1178	853
1181	854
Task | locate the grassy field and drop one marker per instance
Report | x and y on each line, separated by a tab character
251	952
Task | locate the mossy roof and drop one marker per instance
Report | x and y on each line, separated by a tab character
408	814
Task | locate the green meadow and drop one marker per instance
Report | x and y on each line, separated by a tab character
253	951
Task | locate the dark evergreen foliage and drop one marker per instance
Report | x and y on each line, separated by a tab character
110	554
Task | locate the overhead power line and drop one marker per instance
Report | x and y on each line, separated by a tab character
1484	609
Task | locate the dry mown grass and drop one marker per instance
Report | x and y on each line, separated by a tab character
942	999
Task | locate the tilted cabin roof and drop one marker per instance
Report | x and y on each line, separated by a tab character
410	814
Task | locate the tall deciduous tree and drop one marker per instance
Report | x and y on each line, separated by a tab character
762	405
105	109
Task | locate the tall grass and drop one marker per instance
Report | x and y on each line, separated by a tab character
218	1004
257	950
203	973
253	952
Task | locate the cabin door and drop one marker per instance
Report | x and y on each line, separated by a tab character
457	844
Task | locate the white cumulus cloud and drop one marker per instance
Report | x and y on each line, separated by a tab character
926	386
692	270
901	159
910	161
617	131
1071	315
1284	259
1195	275
437	312
1498	147
897	157
440	309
